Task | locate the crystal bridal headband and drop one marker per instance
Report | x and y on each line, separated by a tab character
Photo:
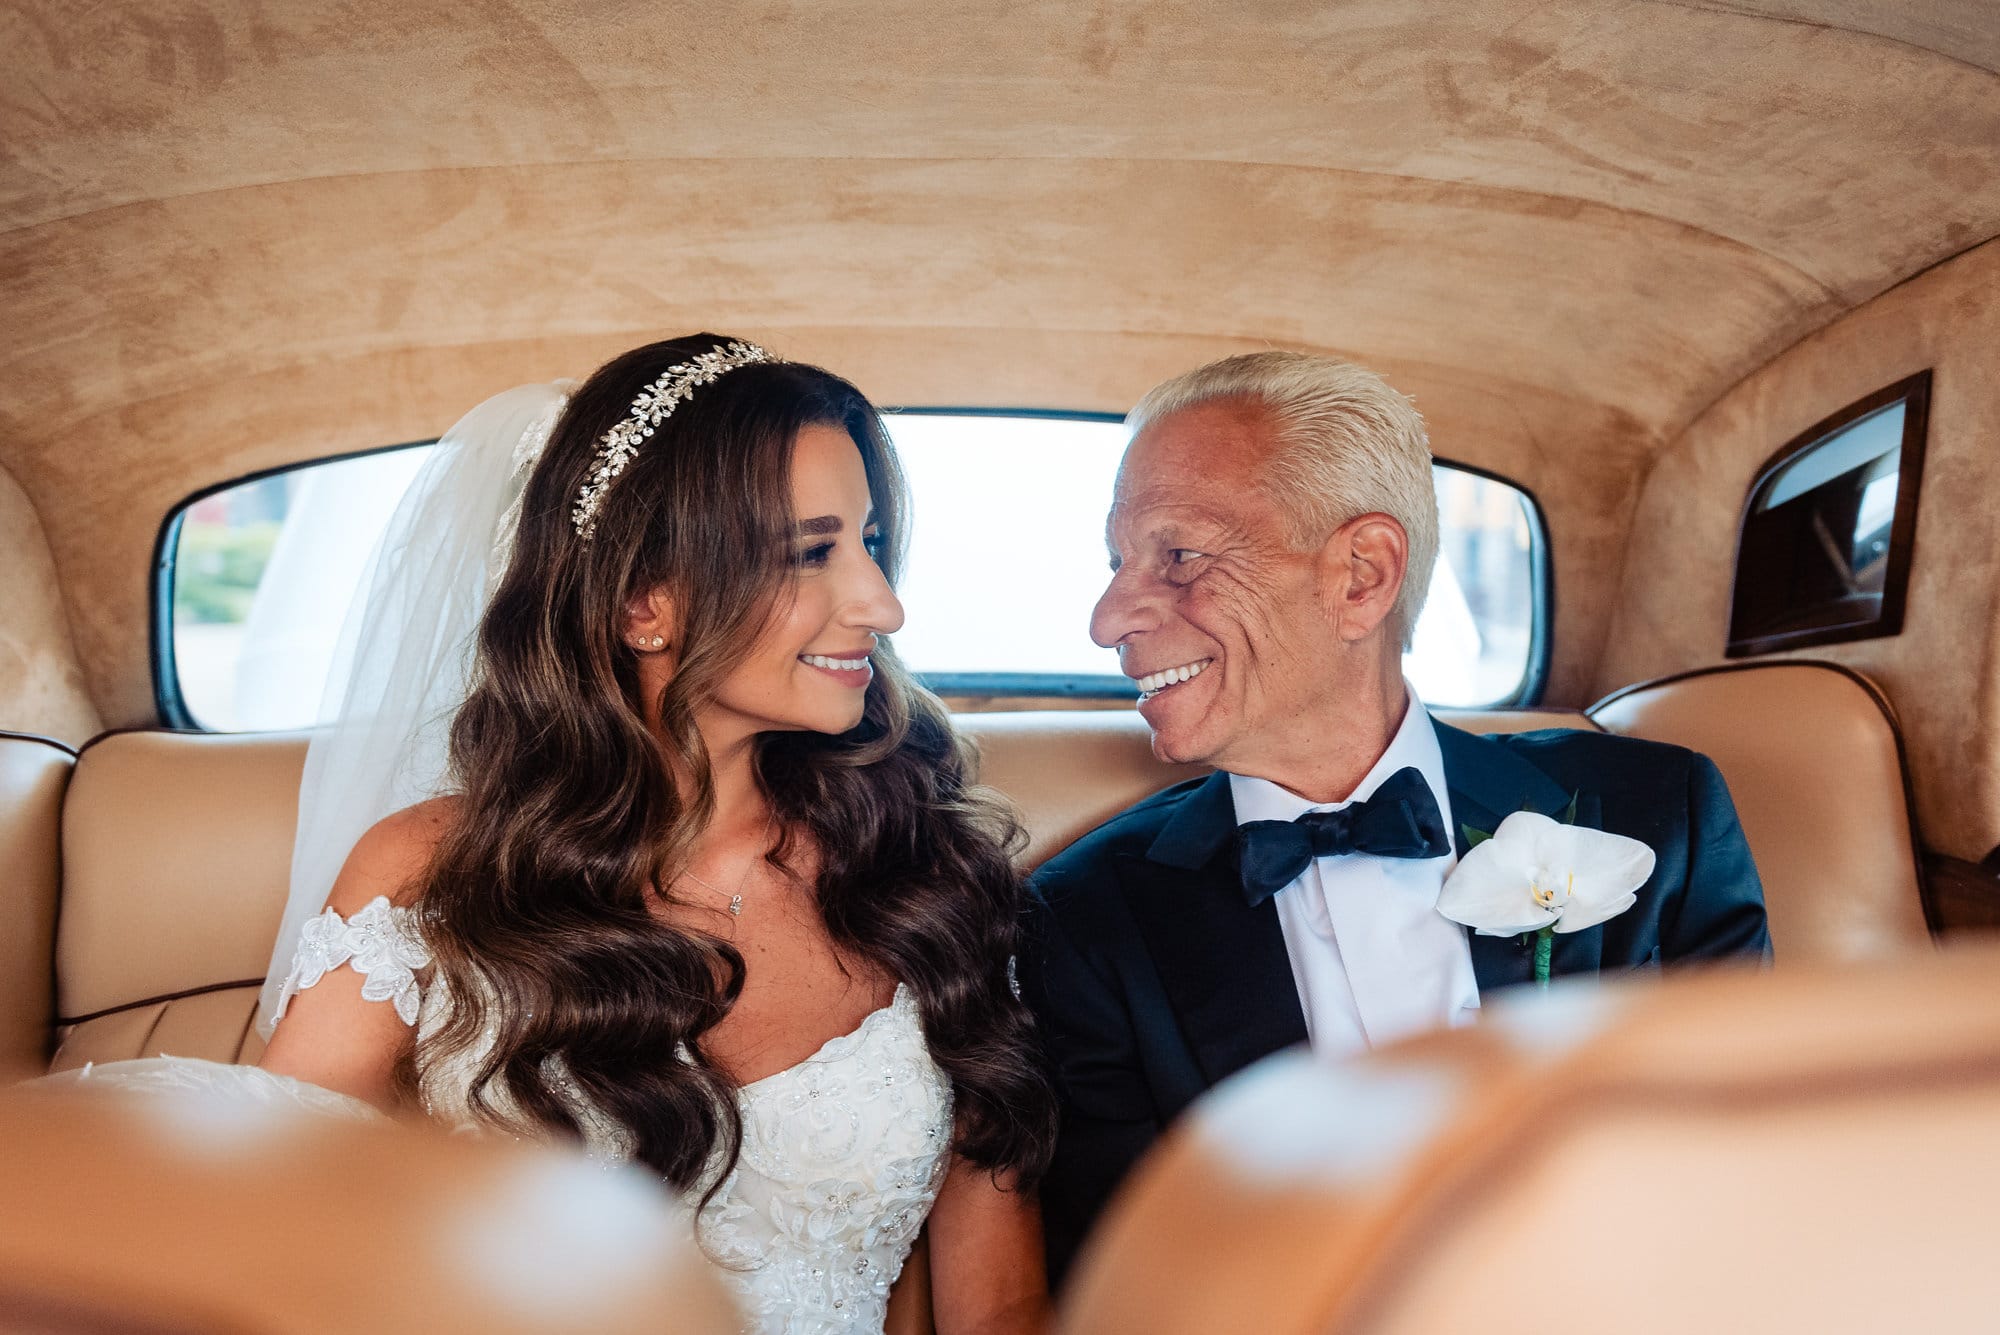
655	404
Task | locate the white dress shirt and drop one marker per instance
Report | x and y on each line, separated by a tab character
1373	958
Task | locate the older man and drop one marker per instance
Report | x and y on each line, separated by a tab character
1272	535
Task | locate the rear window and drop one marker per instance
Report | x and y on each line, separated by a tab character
1006	561
1824	549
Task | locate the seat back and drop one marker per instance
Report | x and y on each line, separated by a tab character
1814	762
34	771
1067	772
1750	1150
177	852
176	856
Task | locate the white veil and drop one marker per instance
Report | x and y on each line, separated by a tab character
402	664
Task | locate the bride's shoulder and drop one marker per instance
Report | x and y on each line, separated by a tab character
390	858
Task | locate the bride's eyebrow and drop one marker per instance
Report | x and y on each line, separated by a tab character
823	526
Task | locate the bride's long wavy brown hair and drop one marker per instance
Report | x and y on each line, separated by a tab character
537	902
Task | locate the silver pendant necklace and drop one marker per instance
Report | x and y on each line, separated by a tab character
735	898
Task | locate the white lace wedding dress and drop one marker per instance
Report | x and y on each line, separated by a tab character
842	1155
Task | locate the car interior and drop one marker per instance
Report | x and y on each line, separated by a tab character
1712	288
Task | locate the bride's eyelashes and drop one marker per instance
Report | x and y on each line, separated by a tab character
817	555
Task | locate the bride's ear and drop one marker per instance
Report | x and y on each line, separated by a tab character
649	621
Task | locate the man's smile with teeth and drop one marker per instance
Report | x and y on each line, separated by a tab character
836	664
1153	683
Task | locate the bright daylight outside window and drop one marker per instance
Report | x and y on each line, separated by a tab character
1006	559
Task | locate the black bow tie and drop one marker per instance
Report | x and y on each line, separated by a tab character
1400	820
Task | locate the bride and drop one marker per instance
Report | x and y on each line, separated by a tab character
695	878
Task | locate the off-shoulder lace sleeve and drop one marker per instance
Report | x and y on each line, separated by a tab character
381	942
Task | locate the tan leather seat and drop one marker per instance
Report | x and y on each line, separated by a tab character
34	771
176	853
1789	1151
1813	759
154	1215
1067	772
178	850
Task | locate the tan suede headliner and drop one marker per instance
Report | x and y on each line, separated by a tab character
1943	670
236	234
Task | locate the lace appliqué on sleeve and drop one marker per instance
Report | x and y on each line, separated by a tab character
381	943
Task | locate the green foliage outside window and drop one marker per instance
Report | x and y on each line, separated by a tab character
218	568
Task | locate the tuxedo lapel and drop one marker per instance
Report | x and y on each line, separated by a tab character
1487	783
1223	963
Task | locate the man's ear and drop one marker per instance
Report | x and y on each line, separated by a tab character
650	624
1361	569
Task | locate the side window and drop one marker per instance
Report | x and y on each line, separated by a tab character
1824	550
1482	638
252	583
1006	561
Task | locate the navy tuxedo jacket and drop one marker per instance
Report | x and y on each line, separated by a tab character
1153	979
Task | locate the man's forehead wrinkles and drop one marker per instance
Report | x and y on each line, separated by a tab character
1150	514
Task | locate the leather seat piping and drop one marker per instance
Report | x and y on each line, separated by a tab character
9	735
109	733
162	999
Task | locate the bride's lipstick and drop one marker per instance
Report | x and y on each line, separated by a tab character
849	669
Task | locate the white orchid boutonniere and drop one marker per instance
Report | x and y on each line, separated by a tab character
1538	875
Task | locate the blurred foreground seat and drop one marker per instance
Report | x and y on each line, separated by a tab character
1800	1151
167	1214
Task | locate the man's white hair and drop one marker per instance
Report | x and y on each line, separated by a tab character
1347	445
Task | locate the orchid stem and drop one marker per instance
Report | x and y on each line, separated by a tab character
1545	946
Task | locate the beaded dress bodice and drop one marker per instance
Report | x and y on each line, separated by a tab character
842	1154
